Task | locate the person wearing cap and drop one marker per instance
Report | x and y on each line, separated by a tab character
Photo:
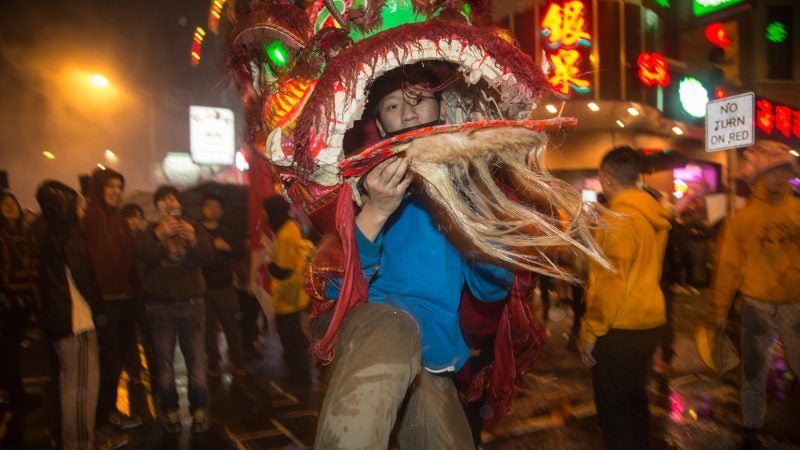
405	342
173	253
625	310
758	255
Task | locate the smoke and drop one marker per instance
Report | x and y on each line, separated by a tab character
48	53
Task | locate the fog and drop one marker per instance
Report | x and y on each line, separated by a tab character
49	50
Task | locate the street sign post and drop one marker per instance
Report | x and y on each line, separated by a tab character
729	122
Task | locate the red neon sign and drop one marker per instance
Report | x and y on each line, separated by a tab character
718	35
564	29
777	118
653	69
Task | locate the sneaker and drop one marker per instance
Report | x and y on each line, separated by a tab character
173	422
110	439
200	421
123	421
101	444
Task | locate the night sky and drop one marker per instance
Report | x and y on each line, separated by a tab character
50	48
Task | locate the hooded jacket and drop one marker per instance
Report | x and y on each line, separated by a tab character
17	258
633	240
759	252
110	241
63	246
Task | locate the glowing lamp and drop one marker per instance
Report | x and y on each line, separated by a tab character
718	35
679	188
277	53
693	97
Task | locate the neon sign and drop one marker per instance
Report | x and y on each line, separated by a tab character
717	34
215	14
564	30
197	45
703	7
653	69
776	118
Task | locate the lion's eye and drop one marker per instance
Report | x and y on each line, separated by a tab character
278	55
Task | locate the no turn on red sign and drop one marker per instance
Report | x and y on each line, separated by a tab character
729	122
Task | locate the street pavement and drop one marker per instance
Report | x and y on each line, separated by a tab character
555	410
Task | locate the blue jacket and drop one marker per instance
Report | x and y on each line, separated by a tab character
412	266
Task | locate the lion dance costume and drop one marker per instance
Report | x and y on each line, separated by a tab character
304	76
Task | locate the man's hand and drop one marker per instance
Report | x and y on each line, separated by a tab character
169	226
720	318
385	184
267	250
586	349
187	232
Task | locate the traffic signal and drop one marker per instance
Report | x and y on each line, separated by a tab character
723	56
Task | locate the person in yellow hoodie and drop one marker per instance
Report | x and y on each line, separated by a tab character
288	255
625	308
759	257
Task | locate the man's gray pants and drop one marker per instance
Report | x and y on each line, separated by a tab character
761	324
377	380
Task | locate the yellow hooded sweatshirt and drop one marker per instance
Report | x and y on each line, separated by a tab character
758	253
633	240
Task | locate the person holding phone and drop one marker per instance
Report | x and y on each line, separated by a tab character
173	253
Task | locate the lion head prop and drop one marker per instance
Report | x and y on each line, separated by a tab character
305	77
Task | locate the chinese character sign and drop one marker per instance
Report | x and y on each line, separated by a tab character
778	121
653	69
564	31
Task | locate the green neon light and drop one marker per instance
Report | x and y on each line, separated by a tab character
467	10
703	7
277	53
693	96
663	4
776	32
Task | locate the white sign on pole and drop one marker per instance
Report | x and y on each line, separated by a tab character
212	135
729	122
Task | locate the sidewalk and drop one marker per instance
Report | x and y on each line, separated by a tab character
701	410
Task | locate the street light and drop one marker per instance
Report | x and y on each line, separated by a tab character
99	81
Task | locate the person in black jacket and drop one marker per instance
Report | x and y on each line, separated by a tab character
72	309
222	306
173	253
18	306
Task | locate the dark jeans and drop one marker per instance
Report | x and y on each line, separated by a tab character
620	386
667	339
248	305
184	322
117	337
295	347
133	363
13	328
222	307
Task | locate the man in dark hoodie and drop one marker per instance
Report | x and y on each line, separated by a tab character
72	303
222	307
111	247
173	253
